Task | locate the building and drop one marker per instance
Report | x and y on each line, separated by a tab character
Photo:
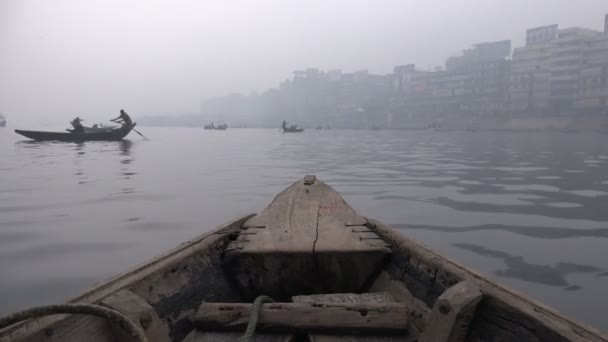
541	35
529	79
566	62
402	76
474	83
593	78
559	71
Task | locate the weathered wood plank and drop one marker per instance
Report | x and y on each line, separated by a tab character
305	247
303	218
427	274
158	282
452	314
367	298
306	317
207	336
361	338
419	312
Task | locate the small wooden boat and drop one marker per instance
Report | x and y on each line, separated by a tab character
290	129
333	275
103	135
218	128
293	130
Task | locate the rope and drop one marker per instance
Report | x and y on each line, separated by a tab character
253	318
112	315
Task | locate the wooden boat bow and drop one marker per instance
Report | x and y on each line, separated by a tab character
335	276
308	240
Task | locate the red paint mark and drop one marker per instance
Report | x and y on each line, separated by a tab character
331	207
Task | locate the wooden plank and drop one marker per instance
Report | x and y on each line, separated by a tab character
368	298
207	336
452	314
157	281
419	312
306	217
503	315
305	247
140	312
306	317
360	338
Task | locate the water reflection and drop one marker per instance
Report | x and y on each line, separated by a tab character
125	151
125	147
518	268
529	231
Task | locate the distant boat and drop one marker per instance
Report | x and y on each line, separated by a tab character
2	121
219	127
434	125
290	129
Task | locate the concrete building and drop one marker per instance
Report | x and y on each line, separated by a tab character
566	62
402	76
593	78
474	83
541	35
529	79
334	75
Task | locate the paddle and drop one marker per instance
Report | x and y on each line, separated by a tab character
143	136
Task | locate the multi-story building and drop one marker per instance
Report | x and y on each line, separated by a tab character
474	83
593	80
529	79
567	60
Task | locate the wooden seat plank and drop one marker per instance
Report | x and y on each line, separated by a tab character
209	336
364	298
305	317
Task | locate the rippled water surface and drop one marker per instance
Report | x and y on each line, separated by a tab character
528	209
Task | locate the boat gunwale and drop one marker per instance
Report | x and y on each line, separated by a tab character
545	314
98	292
539	314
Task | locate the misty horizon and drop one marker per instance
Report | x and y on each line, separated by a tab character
63	59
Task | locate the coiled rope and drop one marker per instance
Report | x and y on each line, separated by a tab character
111	315
253	317
116	317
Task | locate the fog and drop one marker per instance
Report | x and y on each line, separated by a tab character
91	58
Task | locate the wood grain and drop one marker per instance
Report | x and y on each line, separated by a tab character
452	314
366	298
306	317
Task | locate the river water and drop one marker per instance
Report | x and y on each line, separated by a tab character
528	209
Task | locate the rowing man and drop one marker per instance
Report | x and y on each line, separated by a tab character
123	119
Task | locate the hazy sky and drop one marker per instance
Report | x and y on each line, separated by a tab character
63	58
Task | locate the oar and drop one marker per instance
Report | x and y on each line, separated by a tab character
143	136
